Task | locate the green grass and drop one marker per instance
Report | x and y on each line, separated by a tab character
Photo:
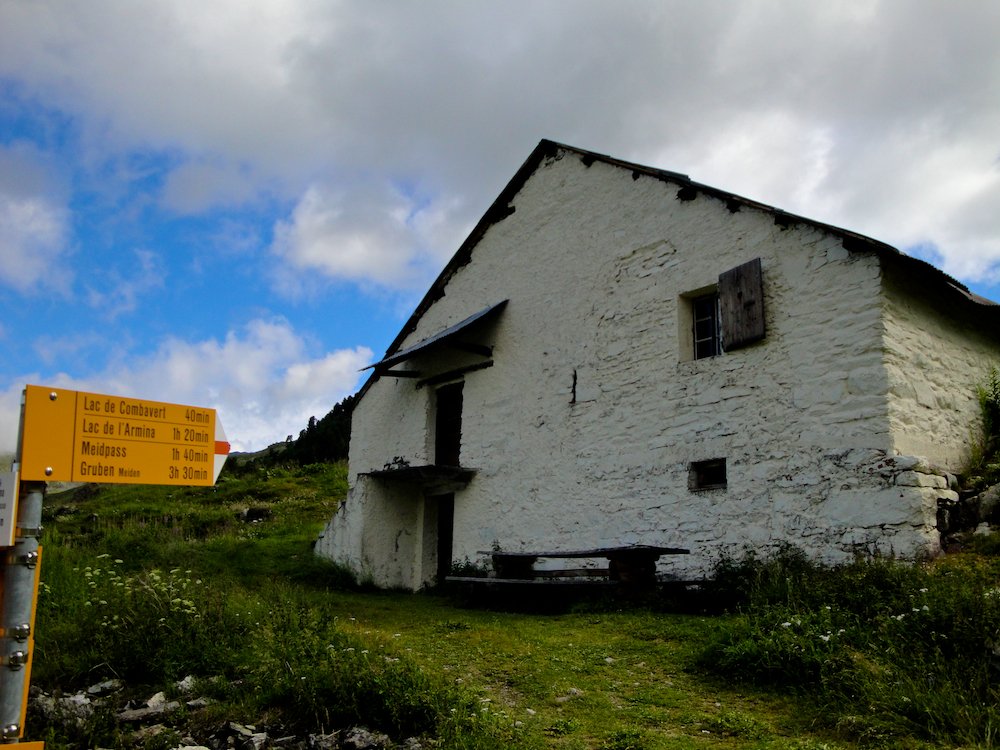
894	652
197	591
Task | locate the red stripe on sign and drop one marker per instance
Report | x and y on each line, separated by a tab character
221	448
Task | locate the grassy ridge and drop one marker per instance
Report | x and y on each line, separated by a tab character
152	584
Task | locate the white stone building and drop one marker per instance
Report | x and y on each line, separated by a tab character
620	356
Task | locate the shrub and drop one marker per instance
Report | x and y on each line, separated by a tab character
983	467
316	674
152	584
989	405
912	648
144	627
737	724
624	739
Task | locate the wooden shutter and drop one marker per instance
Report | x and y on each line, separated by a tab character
741	305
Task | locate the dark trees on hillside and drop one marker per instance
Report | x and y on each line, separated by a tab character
326	439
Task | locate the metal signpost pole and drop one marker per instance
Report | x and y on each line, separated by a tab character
19	592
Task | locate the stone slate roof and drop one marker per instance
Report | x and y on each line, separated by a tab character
687	189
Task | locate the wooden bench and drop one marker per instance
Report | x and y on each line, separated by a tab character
631	566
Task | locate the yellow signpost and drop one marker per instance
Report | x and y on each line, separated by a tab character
72	436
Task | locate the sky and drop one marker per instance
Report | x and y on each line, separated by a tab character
237	205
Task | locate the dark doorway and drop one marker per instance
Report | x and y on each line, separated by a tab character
448	425
445	506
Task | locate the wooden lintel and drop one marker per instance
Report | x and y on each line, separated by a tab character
452	374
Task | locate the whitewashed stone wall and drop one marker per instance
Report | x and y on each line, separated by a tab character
595	264
936	354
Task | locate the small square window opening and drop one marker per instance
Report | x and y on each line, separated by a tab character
707	475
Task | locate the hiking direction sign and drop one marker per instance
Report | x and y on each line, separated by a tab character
72	436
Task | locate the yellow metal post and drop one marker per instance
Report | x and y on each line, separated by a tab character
20	591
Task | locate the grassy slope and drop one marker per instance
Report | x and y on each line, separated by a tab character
615	680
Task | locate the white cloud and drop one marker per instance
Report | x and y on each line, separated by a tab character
200	186
877	115
174	72
263	379
364	235
755	156
33	222
32	234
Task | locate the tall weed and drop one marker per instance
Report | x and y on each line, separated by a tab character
97	621
317	674
989	405
983	466
912	648
153	584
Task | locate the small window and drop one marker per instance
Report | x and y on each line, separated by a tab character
707	475
723	317
705	320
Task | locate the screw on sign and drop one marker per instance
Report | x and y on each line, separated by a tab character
82	437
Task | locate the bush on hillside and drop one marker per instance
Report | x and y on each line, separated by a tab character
326	439
910	648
